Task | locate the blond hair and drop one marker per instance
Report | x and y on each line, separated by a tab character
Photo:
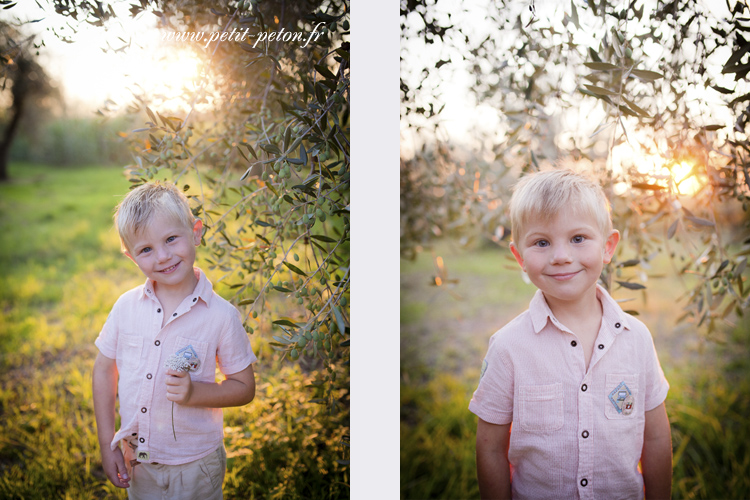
543	195
142	204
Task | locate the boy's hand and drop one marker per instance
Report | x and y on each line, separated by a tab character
113	464
179	387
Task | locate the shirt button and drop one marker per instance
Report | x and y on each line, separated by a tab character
573	343
149	376
142	440
158	310
585	434
174	315
584	482
601	346
143	410
617	325
157	343
196	298
584	387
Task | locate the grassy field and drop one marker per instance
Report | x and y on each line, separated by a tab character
62	271
444	335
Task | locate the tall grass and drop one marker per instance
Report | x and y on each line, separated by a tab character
709	406
61	271
437	440
444	339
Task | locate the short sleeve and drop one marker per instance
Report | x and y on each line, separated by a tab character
493	399
657	386
106	342
234	352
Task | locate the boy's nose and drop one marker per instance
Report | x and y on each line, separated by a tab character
561	254
163	254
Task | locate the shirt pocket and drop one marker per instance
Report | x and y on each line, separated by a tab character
541	407
621	396
206	369
129	350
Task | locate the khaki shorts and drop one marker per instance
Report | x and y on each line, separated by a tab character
198	480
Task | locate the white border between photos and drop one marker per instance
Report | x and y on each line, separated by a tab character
375	233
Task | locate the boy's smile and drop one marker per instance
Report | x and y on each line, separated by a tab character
169	269
564	256
165	252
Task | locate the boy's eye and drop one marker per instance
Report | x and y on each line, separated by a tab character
171	239
542	243
145	249
578	239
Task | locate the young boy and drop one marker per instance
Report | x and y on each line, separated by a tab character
576	377
171	421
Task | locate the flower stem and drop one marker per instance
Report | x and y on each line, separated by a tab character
173	432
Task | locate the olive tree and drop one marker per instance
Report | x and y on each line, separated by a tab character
24	81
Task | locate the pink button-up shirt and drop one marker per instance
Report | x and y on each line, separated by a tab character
206	324
576	433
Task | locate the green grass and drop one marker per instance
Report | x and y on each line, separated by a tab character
453	319
437	439
709	405
59	257
444	338
62	271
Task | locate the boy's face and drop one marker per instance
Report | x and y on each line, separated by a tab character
564	256
165	251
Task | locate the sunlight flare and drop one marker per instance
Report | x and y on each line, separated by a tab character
682	175
685	178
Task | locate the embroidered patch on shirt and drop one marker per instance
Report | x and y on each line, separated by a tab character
622	398
191	356
484	369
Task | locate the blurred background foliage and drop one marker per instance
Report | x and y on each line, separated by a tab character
651	99
67	141
259	142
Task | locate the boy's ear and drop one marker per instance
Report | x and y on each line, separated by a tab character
124	248
610	245
517	255
127	254
197	231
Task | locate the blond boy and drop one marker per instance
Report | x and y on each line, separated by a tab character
576	377
170	440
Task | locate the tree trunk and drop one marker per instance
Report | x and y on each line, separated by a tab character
10	132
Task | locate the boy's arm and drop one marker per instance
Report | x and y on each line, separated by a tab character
493	469
104	388
237	390
656	457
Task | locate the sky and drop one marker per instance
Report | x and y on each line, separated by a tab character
93	79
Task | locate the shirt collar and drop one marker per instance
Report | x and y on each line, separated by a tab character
203	290
612	313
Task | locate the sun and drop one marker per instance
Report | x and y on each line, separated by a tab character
172	78
186	68
685	178
682	176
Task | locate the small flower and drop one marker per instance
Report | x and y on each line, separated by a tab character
178	363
